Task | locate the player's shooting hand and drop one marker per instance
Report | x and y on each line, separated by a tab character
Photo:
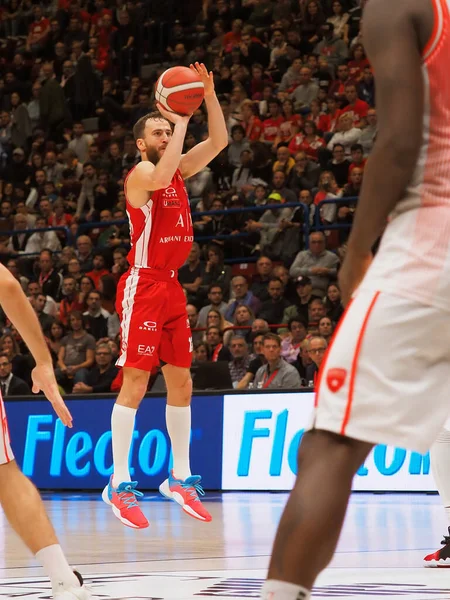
352	273
207	78
174	118
44	381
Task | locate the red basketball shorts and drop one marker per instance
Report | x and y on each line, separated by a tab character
6	454
154	324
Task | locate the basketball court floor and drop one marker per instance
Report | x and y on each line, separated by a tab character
379	555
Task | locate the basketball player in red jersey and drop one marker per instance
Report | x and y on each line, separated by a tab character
152	304
379	382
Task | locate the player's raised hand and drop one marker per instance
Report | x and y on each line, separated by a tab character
207	78
44	380
174	118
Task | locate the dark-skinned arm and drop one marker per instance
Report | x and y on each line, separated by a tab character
392	44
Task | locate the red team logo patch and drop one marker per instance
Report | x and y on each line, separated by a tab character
336	379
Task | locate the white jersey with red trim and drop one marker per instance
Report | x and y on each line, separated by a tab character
161	230
414	256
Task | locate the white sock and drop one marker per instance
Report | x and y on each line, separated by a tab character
122	427
57	568
281	590
178	422
440	466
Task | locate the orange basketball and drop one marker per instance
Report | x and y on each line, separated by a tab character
180	90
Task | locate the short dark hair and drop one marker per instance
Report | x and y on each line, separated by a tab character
4	355
75	313
355	147
273	336
94	292
215	285
277	279
46	251
139	126
297	320
237	128
88	164
339	145
214	327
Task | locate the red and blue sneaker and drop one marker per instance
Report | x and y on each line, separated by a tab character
440	558
124	503
185	493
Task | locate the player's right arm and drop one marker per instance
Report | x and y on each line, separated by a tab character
20	312
148	177
394	34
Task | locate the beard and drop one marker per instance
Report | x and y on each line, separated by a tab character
152	154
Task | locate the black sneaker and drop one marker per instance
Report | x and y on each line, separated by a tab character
440	558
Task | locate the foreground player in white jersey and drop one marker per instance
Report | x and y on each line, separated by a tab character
19	498
385	377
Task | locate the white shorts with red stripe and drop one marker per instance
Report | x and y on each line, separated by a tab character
6	454
385	378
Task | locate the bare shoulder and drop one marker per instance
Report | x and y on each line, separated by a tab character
384	19
137	184
142	169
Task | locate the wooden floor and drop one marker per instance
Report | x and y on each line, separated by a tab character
379	555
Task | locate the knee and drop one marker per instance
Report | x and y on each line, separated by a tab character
134	388
183	391
179	386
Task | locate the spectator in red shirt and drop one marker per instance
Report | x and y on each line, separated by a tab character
100	12
317	117
358	62
309	141
82	15
356	107
70	300
333	114
251	122
99	56
233	37
38	32
271	125
291	124
106	31
99	269
258	82
337	89
59	218
358	160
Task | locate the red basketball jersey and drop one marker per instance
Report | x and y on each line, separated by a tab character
161	230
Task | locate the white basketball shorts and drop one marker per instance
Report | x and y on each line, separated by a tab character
385	377
6	454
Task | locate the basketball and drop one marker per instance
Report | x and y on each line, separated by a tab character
180	90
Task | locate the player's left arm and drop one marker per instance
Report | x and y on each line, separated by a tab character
202	154
392	39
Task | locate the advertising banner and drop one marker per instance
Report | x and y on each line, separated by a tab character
239	442
260	442
81	458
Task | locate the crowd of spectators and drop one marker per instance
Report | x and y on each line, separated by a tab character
297	93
